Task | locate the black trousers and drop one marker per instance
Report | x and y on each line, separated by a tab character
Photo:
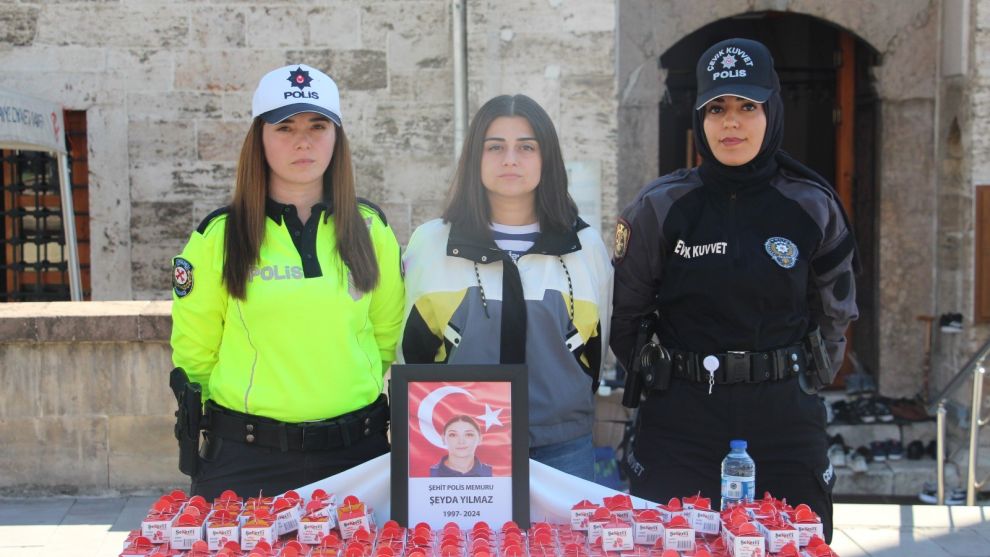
250	469
683	434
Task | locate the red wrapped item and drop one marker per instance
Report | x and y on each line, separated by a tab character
818	548
329	546
188	528
700	515
581	515
806	522
259	525
617	534
746	541
157	524
678	534
621	506
671	509
315	524
287	511
352	515
777	532
139	546
599	519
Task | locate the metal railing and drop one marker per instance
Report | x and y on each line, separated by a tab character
977	368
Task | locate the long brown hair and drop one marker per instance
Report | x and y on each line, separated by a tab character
246	219
467	200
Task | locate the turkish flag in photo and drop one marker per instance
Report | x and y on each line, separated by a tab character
440	411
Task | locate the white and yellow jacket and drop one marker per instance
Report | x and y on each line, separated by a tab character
468	303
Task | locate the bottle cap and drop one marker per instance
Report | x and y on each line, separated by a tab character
737	444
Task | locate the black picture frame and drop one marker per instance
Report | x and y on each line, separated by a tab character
404	375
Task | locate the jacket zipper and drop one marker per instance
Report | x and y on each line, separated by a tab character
733	237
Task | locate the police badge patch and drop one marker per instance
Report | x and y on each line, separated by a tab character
621	239
182	278
783	251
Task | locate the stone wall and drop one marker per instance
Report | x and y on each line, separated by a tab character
167	90
86	406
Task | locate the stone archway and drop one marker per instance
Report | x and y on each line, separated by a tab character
905	36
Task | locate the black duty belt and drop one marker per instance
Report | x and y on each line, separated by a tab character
740	367
342	431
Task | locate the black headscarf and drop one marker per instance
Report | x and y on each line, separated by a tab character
756	172
766	163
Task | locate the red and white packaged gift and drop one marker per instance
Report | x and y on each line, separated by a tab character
139	546
157	524
352	515
227	500
187	528
789	550
259	525
599	519
314	524
747	541
222	526
678	534
700	515
617	535
777	532
818	548
671	509
647	526
581	515
806	522
230	549
329	546
620	506
291	548
287	510
199	549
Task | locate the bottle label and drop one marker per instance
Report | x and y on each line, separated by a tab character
738	488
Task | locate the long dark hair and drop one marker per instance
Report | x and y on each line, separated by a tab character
467	203
246	219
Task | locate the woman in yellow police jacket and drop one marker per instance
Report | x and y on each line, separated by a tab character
288	303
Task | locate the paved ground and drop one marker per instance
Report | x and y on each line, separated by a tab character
82	527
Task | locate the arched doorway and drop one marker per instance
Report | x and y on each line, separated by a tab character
831	125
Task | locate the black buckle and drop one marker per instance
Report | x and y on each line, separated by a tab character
315	437
737	366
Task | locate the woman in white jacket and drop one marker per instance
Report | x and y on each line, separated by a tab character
511	274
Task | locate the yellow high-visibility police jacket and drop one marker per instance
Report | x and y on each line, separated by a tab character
304	344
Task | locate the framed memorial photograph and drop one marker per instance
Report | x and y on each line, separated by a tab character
460	444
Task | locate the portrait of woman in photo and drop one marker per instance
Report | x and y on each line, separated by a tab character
462	436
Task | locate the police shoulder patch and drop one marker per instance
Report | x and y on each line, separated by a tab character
622	233
182	277
783	251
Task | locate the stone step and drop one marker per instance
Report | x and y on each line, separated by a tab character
893	478
905	432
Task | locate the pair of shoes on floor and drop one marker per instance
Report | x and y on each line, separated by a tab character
929	495
908	409
859	460
951	322
837	450
888	449
917	449
867	410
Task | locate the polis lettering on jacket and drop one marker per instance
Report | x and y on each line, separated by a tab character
272	272
690	252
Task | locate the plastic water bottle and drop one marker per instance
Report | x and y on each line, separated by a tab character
738	475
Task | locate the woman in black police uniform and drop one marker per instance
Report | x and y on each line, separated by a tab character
743	260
